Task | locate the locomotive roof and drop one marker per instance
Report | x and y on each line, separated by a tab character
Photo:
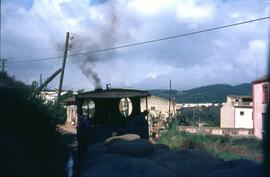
113	93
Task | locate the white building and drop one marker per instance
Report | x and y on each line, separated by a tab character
50	95
237	112
160	105
243	117
197	105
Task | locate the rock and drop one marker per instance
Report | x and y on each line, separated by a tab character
186	162
234	168
126	137
137	148
116	165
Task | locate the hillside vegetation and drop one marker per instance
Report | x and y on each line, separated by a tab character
192	116
212	93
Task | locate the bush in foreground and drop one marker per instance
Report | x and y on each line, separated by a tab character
30	144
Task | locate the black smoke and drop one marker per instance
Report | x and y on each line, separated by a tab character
103	35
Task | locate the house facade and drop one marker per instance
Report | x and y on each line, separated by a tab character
160	105
260	89
237	112
159	109
71	110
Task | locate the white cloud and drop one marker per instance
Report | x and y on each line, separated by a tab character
226	55
256	45
193	11
150	7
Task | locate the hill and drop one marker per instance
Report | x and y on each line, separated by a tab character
213	93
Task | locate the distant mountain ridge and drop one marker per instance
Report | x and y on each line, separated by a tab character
212	93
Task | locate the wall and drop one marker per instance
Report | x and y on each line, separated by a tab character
258	108
71	114
160	104
243	121
227	114
217	131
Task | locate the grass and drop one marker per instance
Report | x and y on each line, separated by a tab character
221	147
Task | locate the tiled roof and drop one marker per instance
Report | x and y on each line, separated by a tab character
239	96
262	79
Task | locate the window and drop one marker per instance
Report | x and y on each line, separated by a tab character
125	107
241	113
265	94
153	108
88	109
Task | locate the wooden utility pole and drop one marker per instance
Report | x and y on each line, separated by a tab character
63	70
40	79
47	81
170	97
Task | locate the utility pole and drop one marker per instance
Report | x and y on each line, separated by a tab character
47	81
170	97
40	79
63	70
3	64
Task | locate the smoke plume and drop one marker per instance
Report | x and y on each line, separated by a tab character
87	68
102	35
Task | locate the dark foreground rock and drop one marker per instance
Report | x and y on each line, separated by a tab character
128	157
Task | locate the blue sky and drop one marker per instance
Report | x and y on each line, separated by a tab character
36	29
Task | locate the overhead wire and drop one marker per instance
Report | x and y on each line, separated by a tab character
146	42
35	60
61	13
41	59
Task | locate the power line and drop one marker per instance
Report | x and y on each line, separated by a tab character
146	42
35	60
56	11
171	37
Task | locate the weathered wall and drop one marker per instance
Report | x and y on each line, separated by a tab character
258	108
227	115
71	113
243	121
217	131
158	103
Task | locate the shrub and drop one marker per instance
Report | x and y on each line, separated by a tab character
221	147
30	145
191	144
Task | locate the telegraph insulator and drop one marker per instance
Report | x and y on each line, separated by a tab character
70	45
